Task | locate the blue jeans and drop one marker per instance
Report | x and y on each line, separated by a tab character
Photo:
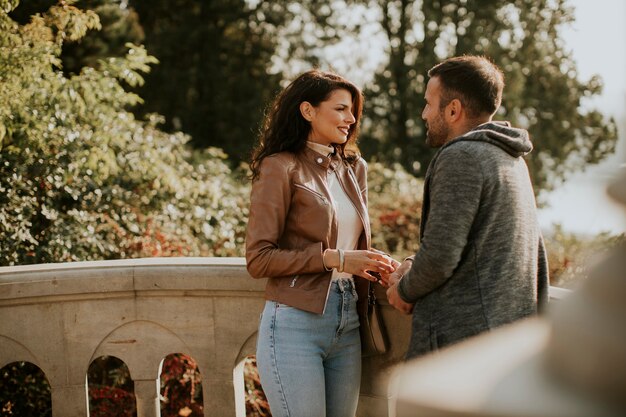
310	364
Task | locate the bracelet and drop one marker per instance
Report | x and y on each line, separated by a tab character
324	263
341	260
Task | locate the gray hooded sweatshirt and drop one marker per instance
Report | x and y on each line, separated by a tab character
481	261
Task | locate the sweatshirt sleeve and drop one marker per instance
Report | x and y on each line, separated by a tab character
270	200
455	192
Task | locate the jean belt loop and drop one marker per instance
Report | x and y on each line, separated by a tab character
340	285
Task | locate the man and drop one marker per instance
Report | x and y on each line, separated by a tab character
481	262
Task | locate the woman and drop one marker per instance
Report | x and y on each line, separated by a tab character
309	233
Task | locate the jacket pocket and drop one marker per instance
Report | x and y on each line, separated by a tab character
319	195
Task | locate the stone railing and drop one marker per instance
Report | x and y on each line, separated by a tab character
61	317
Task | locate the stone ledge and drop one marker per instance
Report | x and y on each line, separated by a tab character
139	276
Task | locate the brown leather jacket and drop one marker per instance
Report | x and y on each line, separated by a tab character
292	222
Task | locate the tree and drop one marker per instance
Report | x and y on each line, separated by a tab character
119	26
80	177
215	75
218	60
522	37
222	61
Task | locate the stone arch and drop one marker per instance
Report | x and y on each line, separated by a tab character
248	348
142	345
13	351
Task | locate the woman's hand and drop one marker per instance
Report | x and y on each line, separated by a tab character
389	280
385	279
361	262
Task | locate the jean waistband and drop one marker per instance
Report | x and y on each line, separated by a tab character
345	285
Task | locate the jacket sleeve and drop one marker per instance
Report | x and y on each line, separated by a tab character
270	200
455	191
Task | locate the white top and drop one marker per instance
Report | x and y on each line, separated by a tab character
349	225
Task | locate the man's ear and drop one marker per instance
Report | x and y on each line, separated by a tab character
307	110
454	110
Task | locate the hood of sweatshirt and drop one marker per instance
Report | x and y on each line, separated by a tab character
512	140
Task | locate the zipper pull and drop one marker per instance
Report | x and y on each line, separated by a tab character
293	281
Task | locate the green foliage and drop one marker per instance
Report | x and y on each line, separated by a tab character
24	391
522	37
120	25
395	208
80	177
571	256
222	61
7	6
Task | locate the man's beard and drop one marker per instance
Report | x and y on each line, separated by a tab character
437	133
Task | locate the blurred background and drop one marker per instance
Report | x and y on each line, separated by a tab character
597	40
126	125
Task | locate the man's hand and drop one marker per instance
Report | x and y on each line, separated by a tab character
394	299
388	280
383	277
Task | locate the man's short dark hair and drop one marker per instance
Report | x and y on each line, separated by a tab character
474	80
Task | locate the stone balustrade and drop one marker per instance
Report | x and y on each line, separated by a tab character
61	317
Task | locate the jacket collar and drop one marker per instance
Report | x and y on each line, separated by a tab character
325	150
315	158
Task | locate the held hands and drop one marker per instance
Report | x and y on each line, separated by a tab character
393	278
372	265
364	263
392	292
383	278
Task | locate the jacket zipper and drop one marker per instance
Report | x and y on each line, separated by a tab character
293	281
356	182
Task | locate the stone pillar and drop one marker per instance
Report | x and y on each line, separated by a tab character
239	390
70	401
219	397
147	396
